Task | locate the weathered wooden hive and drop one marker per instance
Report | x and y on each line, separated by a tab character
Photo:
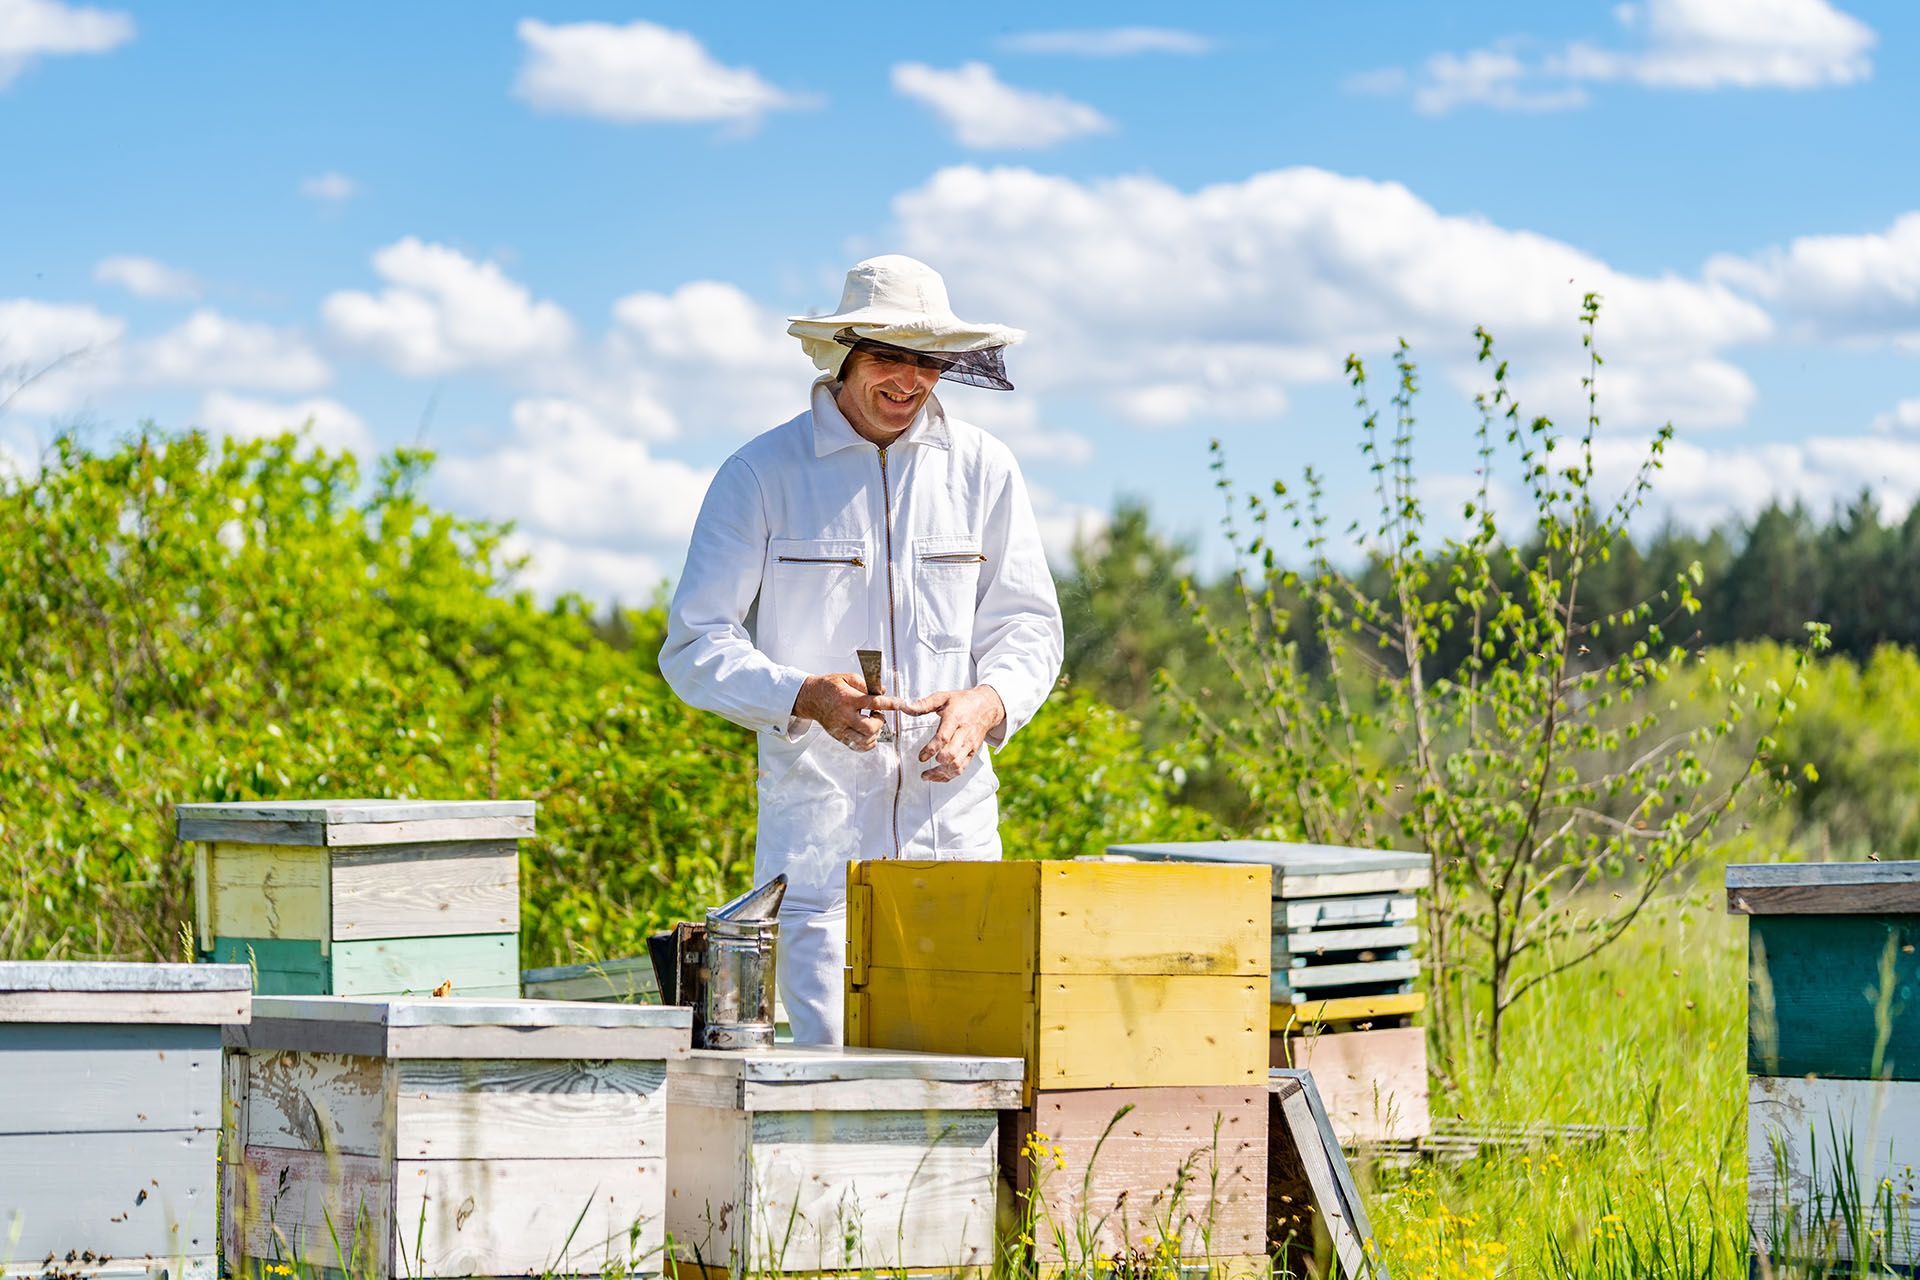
1833	1053
389	1136
361	897
809	1158
1343	1005
1130	991
110	1115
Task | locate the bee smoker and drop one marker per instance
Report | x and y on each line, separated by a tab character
724	968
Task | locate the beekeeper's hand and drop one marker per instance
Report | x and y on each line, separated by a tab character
967	716
843	707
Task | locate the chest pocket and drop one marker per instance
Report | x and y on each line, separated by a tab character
819	590
946	585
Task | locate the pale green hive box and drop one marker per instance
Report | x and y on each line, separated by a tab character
361	897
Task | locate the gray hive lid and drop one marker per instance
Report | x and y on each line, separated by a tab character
429	1027
354	822
1323	864
822	1063
123	992
1824	888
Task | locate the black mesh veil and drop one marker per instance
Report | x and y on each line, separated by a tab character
983	368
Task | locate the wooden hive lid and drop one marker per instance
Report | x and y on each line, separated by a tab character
426	1027
1312	868
813	1078
124	992
1823	888
798	1063
354	822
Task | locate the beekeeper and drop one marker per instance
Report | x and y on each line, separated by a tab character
872	521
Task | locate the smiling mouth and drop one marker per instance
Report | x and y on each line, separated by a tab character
896	398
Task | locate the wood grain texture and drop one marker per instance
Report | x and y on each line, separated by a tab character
1815	988
627	980
1811	1124
1373	1083
473	963
202	897
961	917
108	1078
1290	984
1217	1135
147	1008
319	1102
118	977
493	1110
285	1205
199	831
427	891
1312	944
1342	913
1295	1015
912	1189
279	966
1284	857
1129	1030
84	1191
427	830
337	812
527	1217
460	1042
270	891
708	1180
881	1095
1309	1184
1367	882
1839	899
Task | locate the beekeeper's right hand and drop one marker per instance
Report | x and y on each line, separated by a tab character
842	706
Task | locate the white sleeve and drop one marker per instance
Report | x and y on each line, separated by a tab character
709	658
1018	639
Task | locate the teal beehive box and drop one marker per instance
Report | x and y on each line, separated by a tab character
361	897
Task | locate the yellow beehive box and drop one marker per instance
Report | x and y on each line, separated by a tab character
1100	975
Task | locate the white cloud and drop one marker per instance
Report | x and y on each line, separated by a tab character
599	511
31	29
1863	288
328	424
637	73
146	277
329	188
210	349
1062	523
1015	419
986	114
1902	419
444	311
1107	42
1682	44
557	567
1703	487
54	356
1170	305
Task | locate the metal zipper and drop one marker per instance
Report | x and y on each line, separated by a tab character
855	561
893	643
954	557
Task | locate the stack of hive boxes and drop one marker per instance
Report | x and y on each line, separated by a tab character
1833	1061
361	897
1137	998
1345	926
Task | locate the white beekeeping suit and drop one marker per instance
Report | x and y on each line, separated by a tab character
813	543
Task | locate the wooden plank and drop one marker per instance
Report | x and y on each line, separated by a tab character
1823	888
962	917
1368	882
363	1038
1308	944
199	831
1308	1170
375	1040
882	1095
395	966
362	834
1306	978
1290	1016
945	1011
280	966
202	898
289	1206
111	976
709	1165
1285	857
481	1110
1815	1002
627	980
427	891
872	1189
319	1102
1799	1133
1172	919
338	812
197	1007
270	891
795	1063
124	1194
1323	913
1130	1030
528	1217
89	1077
1182	1163
1373	1083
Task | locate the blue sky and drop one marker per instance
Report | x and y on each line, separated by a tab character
556	244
